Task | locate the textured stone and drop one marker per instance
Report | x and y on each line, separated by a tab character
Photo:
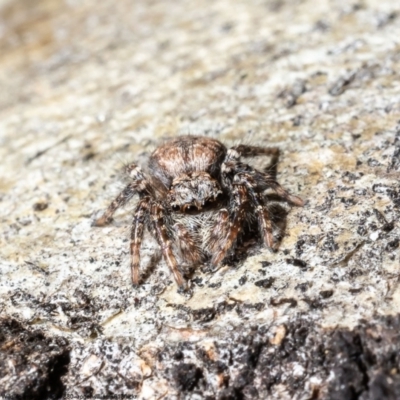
88	86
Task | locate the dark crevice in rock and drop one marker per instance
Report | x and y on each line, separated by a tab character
31	363
359	364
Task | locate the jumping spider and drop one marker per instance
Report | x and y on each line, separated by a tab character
195	201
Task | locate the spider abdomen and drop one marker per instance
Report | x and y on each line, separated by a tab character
185	155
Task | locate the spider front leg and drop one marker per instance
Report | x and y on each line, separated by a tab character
263	216
232	226
139	185
138	223
160	232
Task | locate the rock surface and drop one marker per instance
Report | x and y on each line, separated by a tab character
88	86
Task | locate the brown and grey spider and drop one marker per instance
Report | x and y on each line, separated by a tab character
195	201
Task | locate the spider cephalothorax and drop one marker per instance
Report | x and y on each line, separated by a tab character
195	200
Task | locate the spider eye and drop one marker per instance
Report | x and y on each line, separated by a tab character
175	208
208	202
211	201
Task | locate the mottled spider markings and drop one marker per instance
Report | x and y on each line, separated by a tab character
195	198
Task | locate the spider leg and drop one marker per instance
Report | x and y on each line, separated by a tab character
242	150
139	185
290	198
187	245
233	172
138	224
160	232
232	162
232	166
263	216
240	202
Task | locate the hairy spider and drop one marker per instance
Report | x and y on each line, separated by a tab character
195	201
